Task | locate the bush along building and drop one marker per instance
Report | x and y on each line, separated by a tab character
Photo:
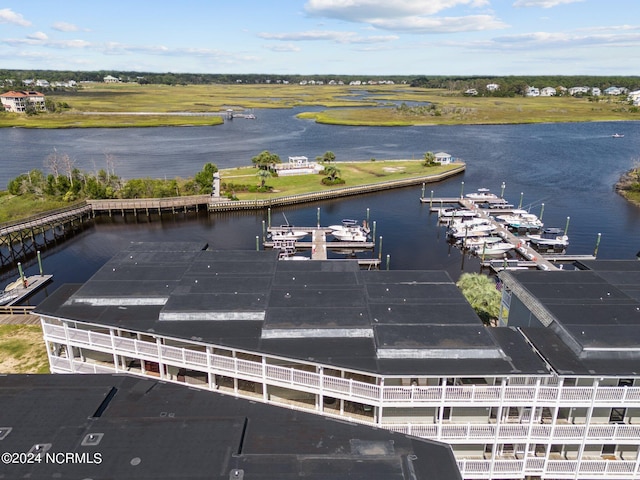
553	392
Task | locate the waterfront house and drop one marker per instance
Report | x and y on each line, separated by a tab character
547	92
553	392
20	101
111	79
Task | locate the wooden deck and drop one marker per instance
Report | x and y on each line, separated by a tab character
19	319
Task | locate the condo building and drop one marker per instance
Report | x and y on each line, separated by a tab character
551	393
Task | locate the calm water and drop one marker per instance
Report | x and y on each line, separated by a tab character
571	168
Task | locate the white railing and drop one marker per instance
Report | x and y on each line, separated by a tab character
476	395
488	432
559	469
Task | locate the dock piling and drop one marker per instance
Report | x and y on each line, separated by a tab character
566	227
388	261
595	251
541	211
502	187
380	248
318	217
521	196
461	189
257	243
40	263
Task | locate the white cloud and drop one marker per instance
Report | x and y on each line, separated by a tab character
472	23
9	16
543	3
412	16
364	10
287	47
65	27
327	35
38	36
540	40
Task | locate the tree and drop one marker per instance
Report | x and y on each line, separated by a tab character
328	156
265	160
482	294
204	178
429	159
263	175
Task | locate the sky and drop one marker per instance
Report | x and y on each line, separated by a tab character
315	37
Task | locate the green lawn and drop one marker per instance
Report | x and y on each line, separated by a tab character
354	174
22	349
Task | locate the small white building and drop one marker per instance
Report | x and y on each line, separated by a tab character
110	79
547	92
443	158
492	87
298	165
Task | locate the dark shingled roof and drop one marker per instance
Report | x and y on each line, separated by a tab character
593	314
331	312
118	426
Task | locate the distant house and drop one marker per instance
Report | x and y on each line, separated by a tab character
634	97
471	91
548	92
18	102
596	92
578	90
42	83
110	79
492	87
613	91
443	158
532	92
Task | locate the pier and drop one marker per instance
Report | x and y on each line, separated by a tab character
530	258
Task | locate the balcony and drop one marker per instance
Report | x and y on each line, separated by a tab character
313	382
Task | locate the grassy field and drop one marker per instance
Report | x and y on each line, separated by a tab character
22	349
354	173
14	208
377	108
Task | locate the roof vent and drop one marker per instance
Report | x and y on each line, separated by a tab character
236	474
92	439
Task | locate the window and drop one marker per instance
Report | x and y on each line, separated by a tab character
608	450
617	415
625	382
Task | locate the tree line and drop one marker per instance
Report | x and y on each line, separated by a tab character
508	84
511	86
68	183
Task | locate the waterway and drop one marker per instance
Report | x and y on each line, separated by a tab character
570	168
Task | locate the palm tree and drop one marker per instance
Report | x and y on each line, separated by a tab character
482	294
328	156
429	159
263	175
333	173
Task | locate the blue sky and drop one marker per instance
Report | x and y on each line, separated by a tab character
349	37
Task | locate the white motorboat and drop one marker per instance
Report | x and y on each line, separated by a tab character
493	249
287	233
521	222
549	238
449	213
473	242
475	231
481	194
350	234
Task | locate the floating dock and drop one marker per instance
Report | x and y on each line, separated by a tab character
531	258
33	283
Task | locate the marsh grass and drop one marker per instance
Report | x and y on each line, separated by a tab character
22	349
375	109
